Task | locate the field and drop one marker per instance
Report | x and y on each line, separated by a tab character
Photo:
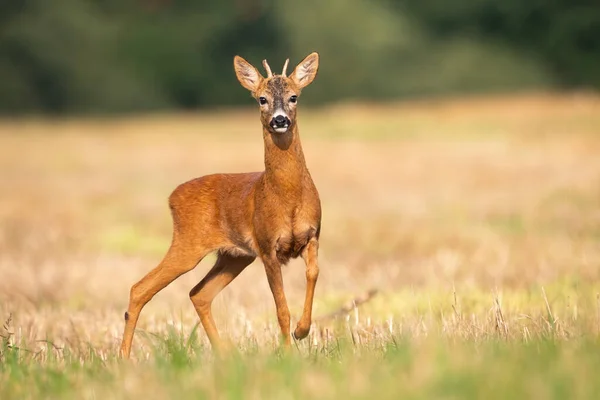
475	221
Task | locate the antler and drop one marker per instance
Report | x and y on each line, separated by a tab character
266	65
284	72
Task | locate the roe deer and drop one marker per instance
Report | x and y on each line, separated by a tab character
274	215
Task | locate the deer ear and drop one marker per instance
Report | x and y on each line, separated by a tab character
248	76
306	71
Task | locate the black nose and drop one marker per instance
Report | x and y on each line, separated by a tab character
280	121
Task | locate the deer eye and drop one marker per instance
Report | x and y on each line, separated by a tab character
262	100
293	99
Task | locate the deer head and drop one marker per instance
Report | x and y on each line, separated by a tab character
277	95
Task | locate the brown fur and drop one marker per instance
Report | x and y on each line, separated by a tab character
274	215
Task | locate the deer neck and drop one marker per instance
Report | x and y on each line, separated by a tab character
285	166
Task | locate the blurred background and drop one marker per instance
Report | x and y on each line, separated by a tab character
114	56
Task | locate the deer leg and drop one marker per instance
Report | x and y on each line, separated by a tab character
225	270
309	254
273	269
178	260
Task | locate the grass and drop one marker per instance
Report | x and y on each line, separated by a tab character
476	220
434	367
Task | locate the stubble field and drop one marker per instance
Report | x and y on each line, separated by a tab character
476	223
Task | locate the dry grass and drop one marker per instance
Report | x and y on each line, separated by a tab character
459	212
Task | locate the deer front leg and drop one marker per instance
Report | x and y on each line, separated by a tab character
309	254
273	269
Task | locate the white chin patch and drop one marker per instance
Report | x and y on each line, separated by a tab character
281	130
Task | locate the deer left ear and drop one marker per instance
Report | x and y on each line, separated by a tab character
306	71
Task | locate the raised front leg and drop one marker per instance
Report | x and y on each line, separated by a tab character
309	254
225	270
273	269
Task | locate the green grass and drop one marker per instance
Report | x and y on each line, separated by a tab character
541	343
392	368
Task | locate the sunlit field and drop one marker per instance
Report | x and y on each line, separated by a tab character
460	255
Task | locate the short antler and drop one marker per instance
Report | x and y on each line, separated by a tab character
284	72
266	65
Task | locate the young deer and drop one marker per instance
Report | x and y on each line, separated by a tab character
274	215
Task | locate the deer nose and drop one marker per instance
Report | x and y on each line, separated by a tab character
280	121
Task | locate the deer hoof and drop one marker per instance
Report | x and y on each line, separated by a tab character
301	332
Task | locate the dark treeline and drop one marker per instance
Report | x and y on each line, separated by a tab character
81	56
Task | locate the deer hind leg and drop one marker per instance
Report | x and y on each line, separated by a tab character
273	270
225	270
181	258
309	254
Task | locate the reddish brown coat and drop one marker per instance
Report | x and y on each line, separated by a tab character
274	215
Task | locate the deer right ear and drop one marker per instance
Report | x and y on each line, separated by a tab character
248	76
